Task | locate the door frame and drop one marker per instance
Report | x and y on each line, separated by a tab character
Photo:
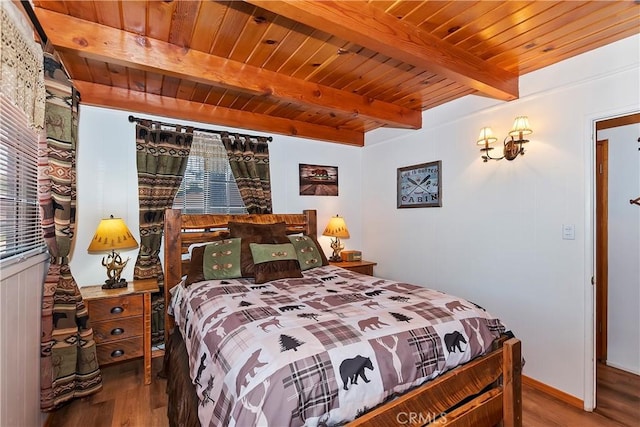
590	133
602	247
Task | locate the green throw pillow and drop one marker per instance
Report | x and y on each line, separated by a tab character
306	251
274	261
221	260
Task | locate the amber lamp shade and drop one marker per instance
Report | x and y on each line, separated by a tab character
112	235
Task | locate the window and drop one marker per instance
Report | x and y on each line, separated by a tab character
20	230
208	185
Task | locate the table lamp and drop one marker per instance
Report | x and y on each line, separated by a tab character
112	234
338	229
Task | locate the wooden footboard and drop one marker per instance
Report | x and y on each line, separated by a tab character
483	392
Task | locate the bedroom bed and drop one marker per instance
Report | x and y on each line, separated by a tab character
316	344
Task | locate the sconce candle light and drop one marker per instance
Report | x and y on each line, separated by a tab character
512	146
112	234
336	228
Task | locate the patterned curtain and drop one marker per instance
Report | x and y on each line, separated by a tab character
162	157
69	367
249	161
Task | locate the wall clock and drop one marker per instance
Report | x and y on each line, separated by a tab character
420	186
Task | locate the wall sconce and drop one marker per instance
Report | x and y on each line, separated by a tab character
112	234
336	228
512	146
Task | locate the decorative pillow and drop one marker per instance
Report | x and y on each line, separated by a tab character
274	261
193	246
325	261
307	252
196	260
255	233
196	274
221	260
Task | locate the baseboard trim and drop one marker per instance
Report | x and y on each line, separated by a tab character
558	394
622	368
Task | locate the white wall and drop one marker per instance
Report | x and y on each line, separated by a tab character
623	325
108	183
20	305
497	239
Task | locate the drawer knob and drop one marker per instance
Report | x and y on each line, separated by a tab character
117	353
117	331
117	310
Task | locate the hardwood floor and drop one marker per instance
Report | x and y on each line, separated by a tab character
618	395
618	404
125	401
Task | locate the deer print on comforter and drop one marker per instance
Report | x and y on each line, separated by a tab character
319	349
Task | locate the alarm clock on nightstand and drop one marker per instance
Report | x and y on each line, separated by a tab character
351	255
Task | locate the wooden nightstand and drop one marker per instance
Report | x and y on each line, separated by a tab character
363	267
121	322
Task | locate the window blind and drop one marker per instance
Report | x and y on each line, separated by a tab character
20	231
208	185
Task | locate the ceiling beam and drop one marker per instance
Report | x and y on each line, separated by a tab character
371	27
103	43
131	100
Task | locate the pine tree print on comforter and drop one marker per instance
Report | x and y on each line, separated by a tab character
319	349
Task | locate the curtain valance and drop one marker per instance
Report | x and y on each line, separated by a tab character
22	76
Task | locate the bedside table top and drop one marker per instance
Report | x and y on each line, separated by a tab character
347	264
134	287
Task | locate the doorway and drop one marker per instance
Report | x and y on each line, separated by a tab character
607	252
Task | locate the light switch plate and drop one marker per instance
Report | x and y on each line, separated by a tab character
568	232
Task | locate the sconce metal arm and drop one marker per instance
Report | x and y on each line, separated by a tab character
512	148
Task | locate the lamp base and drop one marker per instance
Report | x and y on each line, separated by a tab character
337	248
115	284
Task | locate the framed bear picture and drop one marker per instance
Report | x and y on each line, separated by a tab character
420	186
317	180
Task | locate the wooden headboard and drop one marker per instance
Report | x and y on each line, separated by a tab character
180	231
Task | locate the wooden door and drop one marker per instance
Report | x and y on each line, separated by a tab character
602	190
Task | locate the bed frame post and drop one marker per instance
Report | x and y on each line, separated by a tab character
172	261
312	222
512	383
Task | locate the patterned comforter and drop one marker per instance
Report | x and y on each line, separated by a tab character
321	349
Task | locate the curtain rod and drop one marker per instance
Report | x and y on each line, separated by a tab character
138	119
34	21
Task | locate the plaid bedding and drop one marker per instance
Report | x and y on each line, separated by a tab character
321	349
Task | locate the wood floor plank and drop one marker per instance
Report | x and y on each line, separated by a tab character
618	396
126	401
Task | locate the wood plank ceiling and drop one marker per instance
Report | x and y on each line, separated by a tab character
326	70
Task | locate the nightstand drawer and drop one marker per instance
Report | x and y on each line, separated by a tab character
115	307
119	329
117	351
363	269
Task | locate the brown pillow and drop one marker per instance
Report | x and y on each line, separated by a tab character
196	273
255	233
